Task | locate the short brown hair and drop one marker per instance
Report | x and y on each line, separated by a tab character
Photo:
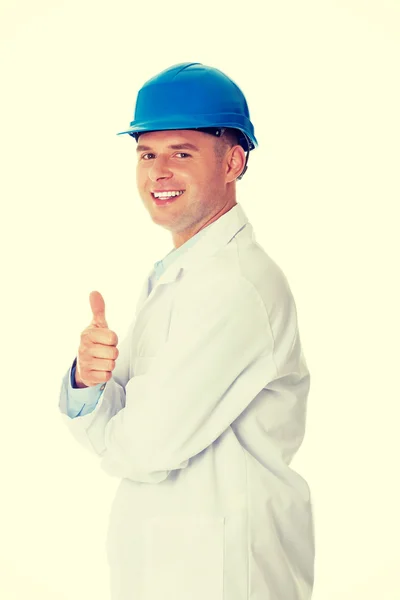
228	139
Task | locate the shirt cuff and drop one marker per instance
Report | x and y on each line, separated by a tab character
82	401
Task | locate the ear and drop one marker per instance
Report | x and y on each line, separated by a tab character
235	162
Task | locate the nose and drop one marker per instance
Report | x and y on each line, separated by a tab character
159	169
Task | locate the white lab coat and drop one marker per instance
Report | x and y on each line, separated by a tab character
203	414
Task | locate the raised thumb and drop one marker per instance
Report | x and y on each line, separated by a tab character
98	309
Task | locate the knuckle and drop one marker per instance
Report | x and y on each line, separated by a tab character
86	333
84	355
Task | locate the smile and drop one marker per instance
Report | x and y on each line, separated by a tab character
166	198
167	194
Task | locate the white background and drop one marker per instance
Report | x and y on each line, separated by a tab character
322	192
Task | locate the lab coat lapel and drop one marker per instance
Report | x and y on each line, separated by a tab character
216	235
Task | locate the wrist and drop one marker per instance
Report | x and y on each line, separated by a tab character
76	380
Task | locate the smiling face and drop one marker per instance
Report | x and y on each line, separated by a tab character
186	161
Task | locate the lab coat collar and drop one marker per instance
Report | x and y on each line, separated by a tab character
213	238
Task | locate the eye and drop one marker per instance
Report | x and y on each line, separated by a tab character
144	156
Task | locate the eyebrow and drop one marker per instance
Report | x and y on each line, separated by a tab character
183	146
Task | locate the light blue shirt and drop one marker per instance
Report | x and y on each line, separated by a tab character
82	401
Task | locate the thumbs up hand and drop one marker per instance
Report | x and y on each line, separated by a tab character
97	351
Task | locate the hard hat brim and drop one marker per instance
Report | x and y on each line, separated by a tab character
154	126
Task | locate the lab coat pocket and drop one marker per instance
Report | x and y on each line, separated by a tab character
184	558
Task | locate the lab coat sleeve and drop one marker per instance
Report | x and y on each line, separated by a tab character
88	426
220	354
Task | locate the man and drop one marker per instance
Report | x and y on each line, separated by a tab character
203	406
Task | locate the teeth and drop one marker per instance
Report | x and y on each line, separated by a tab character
167	194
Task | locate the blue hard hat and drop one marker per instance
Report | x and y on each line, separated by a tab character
192	96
